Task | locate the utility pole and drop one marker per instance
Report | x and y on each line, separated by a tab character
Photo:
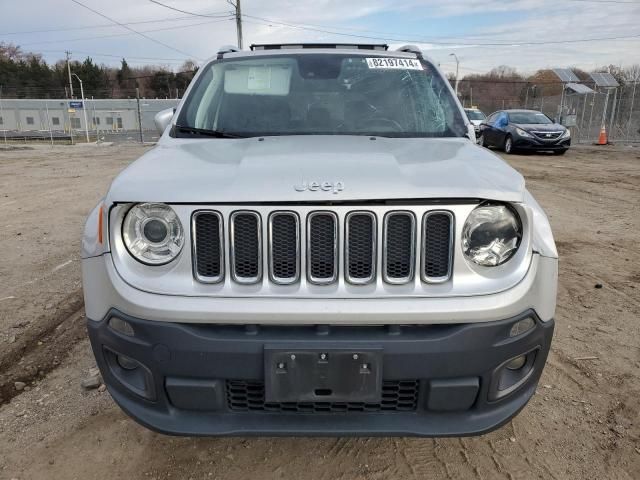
139	114
457	71
236	5
69	72
84	109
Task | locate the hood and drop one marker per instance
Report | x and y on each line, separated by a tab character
315	169
476	122
537	127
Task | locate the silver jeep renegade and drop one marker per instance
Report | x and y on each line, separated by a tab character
316	246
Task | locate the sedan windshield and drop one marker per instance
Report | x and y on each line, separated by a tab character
536	118
320	94
475	115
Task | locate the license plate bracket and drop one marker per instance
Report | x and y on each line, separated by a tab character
323	375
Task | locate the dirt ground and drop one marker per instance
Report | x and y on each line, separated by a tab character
583	423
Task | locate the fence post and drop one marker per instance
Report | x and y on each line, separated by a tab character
613	112
2	115
139	114
633	98
49	122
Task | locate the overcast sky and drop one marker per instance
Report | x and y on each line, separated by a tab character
521	28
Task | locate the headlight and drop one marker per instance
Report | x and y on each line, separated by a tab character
152	233
523	133
491	235
566	134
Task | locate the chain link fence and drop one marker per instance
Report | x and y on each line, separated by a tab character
618	109
131	120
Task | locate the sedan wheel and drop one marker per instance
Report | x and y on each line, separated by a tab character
508	145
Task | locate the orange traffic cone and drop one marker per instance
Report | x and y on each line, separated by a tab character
602	139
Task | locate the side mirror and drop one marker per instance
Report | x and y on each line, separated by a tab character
163	119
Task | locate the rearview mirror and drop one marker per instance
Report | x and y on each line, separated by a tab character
163	119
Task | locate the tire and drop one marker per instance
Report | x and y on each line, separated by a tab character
508	145
561	152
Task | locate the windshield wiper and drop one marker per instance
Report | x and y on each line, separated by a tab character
206	133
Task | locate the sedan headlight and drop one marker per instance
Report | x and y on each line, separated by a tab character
152	233
523	133
491	235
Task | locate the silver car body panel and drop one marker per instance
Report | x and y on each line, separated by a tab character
104	289
415	174
245	170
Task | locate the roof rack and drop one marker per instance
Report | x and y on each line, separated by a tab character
410	49
345	46
227	49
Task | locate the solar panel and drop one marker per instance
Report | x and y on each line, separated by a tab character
579	88
604	79
565	75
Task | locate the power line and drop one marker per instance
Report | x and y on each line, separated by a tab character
108	25
438	42
237	13
181	11
606	1
111	35
134	31
116	56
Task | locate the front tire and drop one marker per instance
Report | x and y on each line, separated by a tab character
508	145
561	152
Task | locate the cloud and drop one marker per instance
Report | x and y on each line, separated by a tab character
466	24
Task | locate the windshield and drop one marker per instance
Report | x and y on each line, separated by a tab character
309	94
475	115
529	118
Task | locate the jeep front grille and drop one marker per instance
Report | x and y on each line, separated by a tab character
399	239
284	247
207	232
246	247
436	253
360	251
322	247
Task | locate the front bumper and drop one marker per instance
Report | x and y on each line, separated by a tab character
209	379
534	144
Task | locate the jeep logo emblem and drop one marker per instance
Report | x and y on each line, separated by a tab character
335	187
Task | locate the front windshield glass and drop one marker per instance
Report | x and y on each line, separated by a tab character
311	94
536	118
475	115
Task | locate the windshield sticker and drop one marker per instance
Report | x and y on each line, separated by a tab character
395	63
259	78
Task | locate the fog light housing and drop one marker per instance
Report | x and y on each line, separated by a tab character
121	326
522	326
515	364
512	374
126	362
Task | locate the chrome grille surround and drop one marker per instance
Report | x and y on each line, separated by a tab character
386	255
238	256
424	243
372	246
196	217
312	276
273	269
